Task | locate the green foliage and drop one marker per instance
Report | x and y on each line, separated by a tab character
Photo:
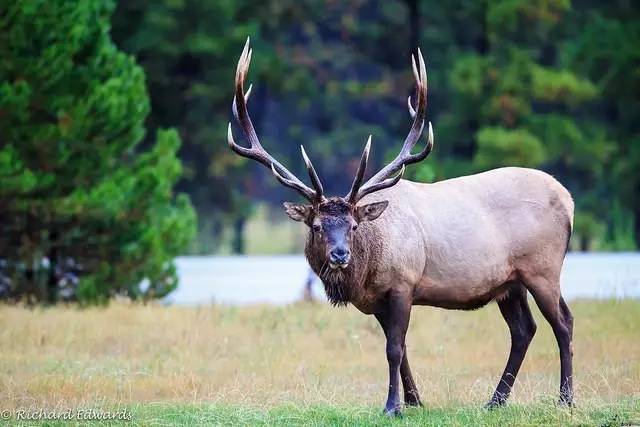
621	231
536	98
74	181
503	147
561	86
550	84
588	232
189	50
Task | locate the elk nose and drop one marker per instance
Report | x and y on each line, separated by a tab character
339	256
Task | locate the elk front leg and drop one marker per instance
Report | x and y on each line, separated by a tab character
411	395
395	321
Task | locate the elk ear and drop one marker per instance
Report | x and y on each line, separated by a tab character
371	211
298	212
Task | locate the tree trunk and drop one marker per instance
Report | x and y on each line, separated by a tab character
52	277
238	235
414	25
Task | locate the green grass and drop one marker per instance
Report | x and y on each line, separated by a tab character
464	416
620	414
308	364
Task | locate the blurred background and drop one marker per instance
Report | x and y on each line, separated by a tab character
113	115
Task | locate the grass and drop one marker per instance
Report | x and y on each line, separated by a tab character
309	364
621	414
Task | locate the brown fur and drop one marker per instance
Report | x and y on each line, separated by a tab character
457	244
341	286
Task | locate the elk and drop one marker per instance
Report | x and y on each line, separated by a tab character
390	244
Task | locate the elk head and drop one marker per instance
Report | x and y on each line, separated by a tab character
333	221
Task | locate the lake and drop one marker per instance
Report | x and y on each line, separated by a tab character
238	280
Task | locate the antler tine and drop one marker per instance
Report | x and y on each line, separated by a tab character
315	180
389	182
384	179
421	81
241	73
415	70
284	181
418	117
362	167
412	112
256	151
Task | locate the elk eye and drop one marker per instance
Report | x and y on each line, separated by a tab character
317	228
354	227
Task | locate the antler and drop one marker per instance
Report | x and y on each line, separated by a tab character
384	178
255	150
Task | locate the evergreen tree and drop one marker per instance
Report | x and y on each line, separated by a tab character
549	84
517	101
73	181
189	50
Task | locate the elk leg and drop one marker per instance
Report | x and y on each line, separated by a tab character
564	336
411	395
559	316
515	311
395	323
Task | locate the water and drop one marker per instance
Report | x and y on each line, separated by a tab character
237	280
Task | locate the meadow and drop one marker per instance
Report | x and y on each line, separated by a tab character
309	364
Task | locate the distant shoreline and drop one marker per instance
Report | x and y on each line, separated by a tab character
279	279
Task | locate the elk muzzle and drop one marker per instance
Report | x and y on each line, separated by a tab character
339	257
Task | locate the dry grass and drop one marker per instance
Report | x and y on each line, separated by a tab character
263	357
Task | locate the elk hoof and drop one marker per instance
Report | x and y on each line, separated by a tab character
392	412
565	401
494	403
412	399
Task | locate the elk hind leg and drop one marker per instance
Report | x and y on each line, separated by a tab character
557	313
515	311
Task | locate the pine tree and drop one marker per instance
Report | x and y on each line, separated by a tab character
74	181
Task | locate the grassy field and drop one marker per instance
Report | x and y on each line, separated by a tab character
309	364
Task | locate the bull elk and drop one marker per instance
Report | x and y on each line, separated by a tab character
457	244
